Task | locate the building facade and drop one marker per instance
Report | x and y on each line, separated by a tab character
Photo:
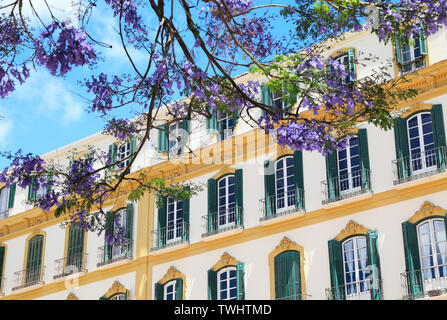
366	222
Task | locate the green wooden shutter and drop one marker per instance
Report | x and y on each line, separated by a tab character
132	143
336	269
212	205
179	289
288	276
12	192
162	216
351	65
185	228
240	281
31	191
439	135
129	227
212	285
163	139
269	186
280	282
332	175
266	96
374	262
364	159
402	150
159	291
109	227
299	178
211	124
112	154
423	40
34	261
397	47
412	261
2	262
103	298
239	188
75	247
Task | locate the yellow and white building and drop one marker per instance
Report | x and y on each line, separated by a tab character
367	222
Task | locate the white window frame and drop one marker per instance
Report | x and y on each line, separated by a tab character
425	158
343	59
165	289
289	192
120	249
123	154
223	124
4	202
358	295
413	60
350	179
120	296
226	270
175	136
227	212
177	221
427	281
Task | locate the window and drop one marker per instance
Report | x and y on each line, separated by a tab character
123	151
356	271
119	296
288	276
120	250
432	250
412	57
349	167
344	60
169	290
4	202
421	142
34	259
280	100
176	139
225	124
227	284
285	190
75	254
174	221
226	201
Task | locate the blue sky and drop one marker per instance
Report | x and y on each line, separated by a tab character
47	112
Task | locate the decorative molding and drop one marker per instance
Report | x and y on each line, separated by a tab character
415	108
223	172
351	229
116	288
72	296
286	245
225	260
427	209
172	274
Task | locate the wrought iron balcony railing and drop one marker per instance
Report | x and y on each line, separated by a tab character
423	283
360	290
296	297
70	265
282	204
29	277
222	221
114	253
346	186
4	214
172	235
420	165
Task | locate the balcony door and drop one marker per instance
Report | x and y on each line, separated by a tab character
421	143
174	220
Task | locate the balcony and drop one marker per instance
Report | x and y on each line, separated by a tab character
170	236
296	297
70	265
4	214
419	165
423	283
282	205
223	221
346	186
114	253
29	277
360	290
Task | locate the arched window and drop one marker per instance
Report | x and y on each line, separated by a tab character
355	267
421	142
169	292
432	250
288	276
118	296
226	201
170	287
227	284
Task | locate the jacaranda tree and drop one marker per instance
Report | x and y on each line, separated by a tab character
197	56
